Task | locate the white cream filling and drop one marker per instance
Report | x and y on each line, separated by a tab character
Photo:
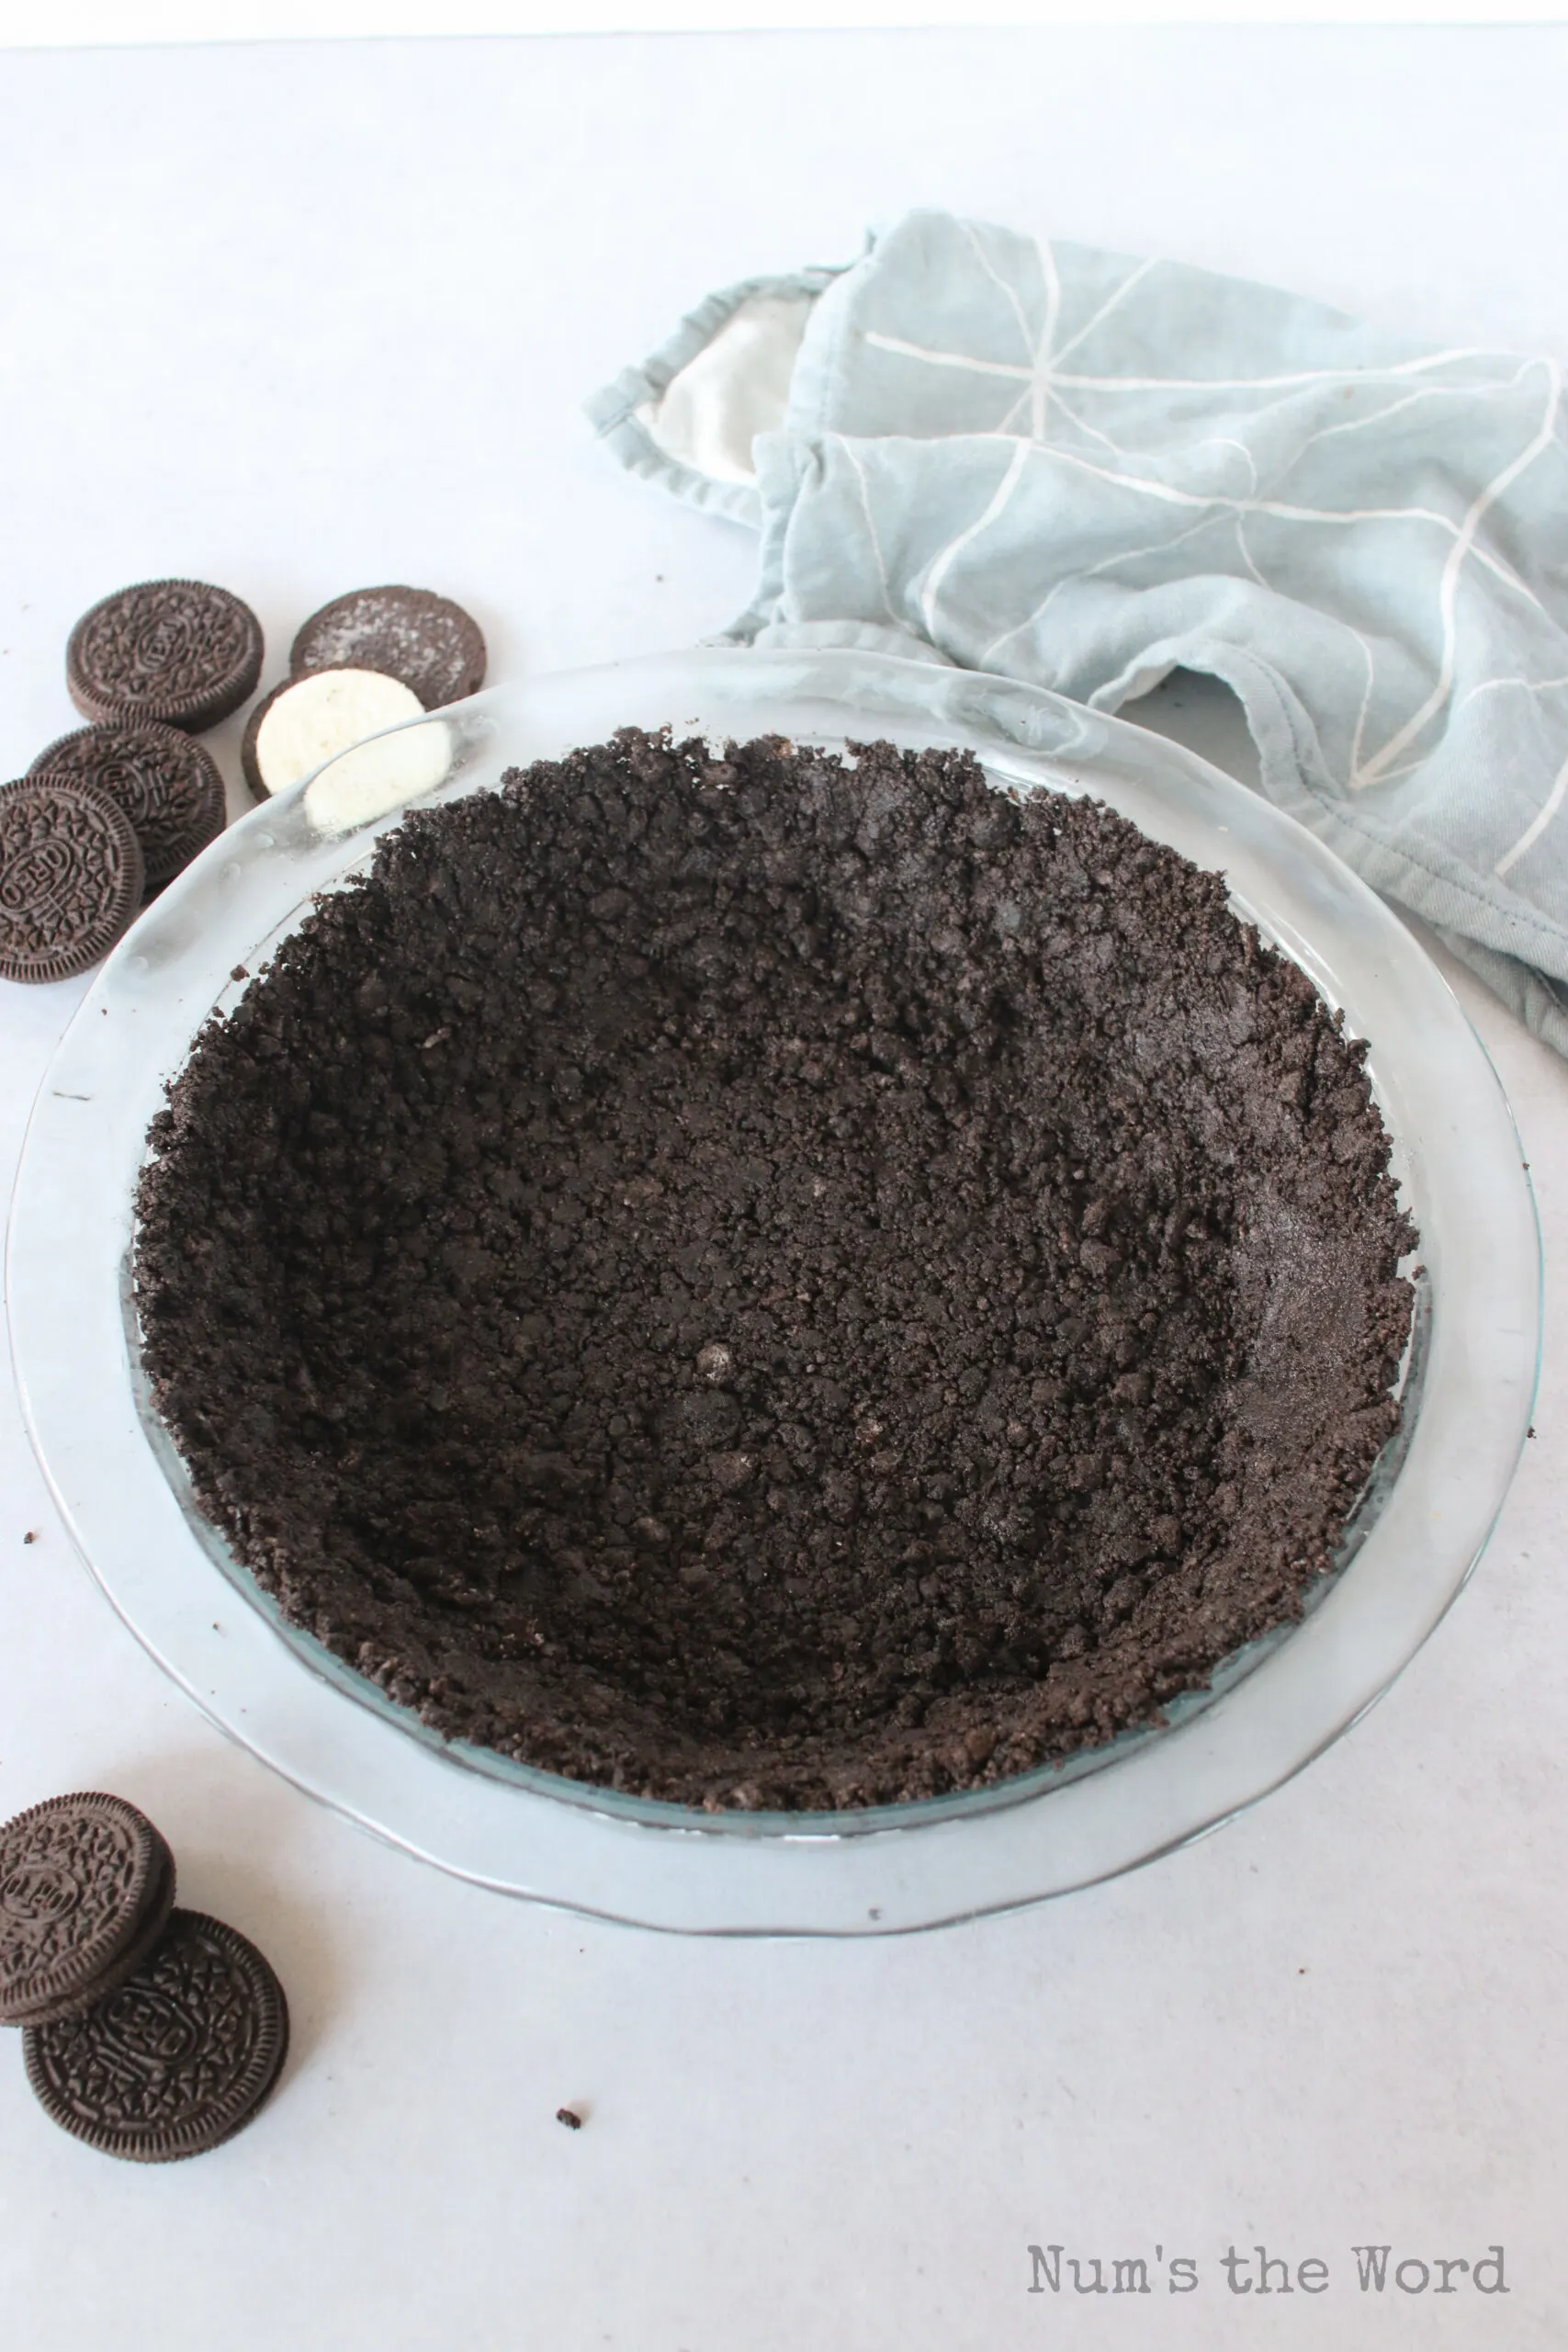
322	722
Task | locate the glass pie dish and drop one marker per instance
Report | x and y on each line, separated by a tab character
1469	1378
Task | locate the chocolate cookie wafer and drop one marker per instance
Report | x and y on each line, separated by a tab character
427	641
177	650
168	786
70	877
177	2058
86	1886
158	1910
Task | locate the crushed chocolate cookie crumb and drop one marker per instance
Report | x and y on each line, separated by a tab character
776	1281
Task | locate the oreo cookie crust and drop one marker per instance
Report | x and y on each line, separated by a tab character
87	1884
425	640
775	1280
179	651
177	2058
168	786
70	877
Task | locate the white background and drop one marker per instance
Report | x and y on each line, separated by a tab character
52	23
298	319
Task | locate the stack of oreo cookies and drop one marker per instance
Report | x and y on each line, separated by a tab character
107	816
150	2032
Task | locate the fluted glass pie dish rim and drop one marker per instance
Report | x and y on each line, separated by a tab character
1269	1710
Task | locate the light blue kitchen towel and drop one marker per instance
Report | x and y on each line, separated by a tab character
1068	468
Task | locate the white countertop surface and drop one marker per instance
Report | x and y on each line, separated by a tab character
298	319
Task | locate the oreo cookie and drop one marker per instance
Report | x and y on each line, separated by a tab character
177	2058
71	875
87	1887
168	786
158	1910
179	651
428	642
307	721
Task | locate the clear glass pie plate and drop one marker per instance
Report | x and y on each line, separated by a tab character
1469	1383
